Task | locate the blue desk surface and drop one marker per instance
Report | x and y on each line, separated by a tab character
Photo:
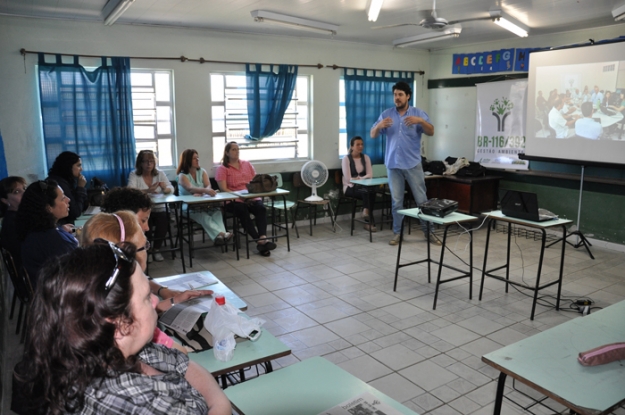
548	360
246	353
450	219
305	388
497	214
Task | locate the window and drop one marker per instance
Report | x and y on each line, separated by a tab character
343	140
230	122
153	113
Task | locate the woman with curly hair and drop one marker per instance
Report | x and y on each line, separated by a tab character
67	172
43	205
89	349
150	180
12	189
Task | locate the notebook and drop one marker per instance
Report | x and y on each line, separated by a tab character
524	205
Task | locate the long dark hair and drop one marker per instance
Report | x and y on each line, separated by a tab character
62	166
7	186
72	323
353	140
33	214
186	161
226	160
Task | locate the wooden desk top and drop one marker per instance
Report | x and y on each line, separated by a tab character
548	362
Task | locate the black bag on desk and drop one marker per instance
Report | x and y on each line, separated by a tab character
472	170
436	167
262	183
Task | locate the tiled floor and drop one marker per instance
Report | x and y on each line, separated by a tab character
332	296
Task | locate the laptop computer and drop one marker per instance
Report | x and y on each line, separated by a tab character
606	111
524	205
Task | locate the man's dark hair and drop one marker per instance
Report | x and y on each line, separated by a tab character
587	109
125	198
403	86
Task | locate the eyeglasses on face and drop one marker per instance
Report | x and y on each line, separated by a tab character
118	254
149	161
145	247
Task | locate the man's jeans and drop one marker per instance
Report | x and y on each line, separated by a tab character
397	179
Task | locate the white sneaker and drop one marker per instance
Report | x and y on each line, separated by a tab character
158	257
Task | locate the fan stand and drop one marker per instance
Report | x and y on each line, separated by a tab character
313	197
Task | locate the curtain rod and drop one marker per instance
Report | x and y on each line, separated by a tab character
335	67
183	58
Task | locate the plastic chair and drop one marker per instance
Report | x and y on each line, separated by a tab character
312	206
279	208
23	290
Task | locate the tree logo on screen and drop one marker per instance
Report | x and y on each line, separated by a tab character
501	110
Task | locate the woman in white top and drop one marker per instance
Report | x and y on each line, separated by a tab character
356	166
152	181
193	180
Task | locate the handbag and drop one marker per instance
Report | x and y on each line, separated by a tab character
262	183
96	192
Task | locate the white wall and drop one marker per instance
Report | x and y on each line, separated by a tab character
452	110
20	115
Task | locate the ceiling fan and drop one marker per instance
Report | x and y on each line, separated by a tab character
434	22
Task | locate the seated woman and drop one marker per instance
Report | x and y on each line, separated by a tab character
149	179
43	205
89	349
67	172
233	175
356	166
123	226
193	180
11	190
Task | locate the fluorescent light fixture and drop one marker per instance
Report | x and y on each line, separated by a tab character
619	13
448	33
295	22
373	9
509	23
114	9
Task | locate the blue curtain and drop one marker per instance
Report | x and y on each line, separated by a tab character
268	96
3	161
367	94
89	113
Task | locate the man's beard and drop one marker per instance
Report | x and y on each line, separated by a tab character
402	107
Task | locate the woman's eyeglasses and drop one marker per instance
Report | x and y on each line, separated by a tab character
119	254
146	247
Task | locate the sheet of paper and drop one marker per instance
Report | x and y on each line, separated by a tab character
181	317
365	403
191	281
92	210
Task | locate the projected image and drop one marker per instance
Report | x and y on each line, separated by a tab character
580	101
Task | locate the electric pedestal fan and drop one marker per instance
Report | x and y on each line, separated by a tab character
314	173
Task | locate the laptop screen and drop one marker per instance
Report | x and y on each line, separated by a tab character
521	205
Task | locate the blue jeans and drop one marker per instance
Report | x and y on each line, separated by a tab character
397	179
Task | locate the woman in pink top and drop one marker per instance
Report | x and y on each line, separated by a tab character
232	176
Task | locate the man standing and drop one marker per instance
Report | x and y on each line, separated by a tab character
403	126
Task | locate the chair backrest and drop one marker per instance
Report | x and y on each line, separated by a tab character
21	283
379	170
297	179
175	184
